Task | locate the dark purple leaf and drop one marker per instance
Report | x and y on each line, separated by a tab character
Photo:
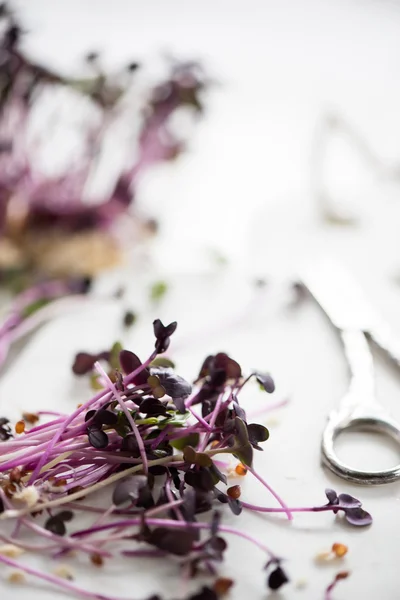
221	497
277	578
266	382
129	361
175	386
158	470
215	523
227	364
129	444
83	363
215	547
332	496
55	525
217	475
257	433
204	501
358	517
153	407
347	501
65	515
178	542
97	438
205	369
239	412
128	489
235	506
105	417
89	415
200	479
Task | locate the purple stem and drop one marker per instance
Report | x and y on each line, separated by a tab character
173	525
275	495
54	580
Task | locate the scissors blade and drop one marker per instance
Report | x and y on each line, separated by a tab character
339	295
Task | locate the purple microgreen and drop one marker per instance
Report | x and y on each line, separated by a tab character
266	382
84	363
128	490
235	505
175	386
357	517
130	318
347	501
175	542
56	525
257	433
200	479
97	438
277	578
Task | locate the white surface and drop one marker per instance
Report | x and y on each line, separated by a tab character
244	189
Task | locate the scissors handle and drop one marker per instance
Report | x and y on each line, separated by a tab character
359	411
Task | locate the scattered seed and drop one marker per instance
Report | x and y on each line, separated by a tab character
30	418
64	572
20	427
16	577
97	560
339	550
11	550
240	470
234	492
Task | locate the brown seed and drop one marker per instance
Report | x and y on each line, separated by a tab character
240	470
97	560
79	405
15	475
342	575
339	550
30	418
20	427
60	483
10	489
234	492
222	585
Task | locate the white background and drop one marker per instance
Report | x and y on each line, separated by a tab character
244	188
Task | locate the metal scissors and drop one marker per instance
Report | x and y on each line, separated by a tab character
350	312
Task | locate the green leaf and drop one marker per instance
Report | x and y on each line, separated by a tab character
177	419
148	421
94	382
163	361
189	440
114	355
158	291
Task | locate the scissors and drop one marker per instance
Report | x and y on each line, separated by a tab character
348	309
